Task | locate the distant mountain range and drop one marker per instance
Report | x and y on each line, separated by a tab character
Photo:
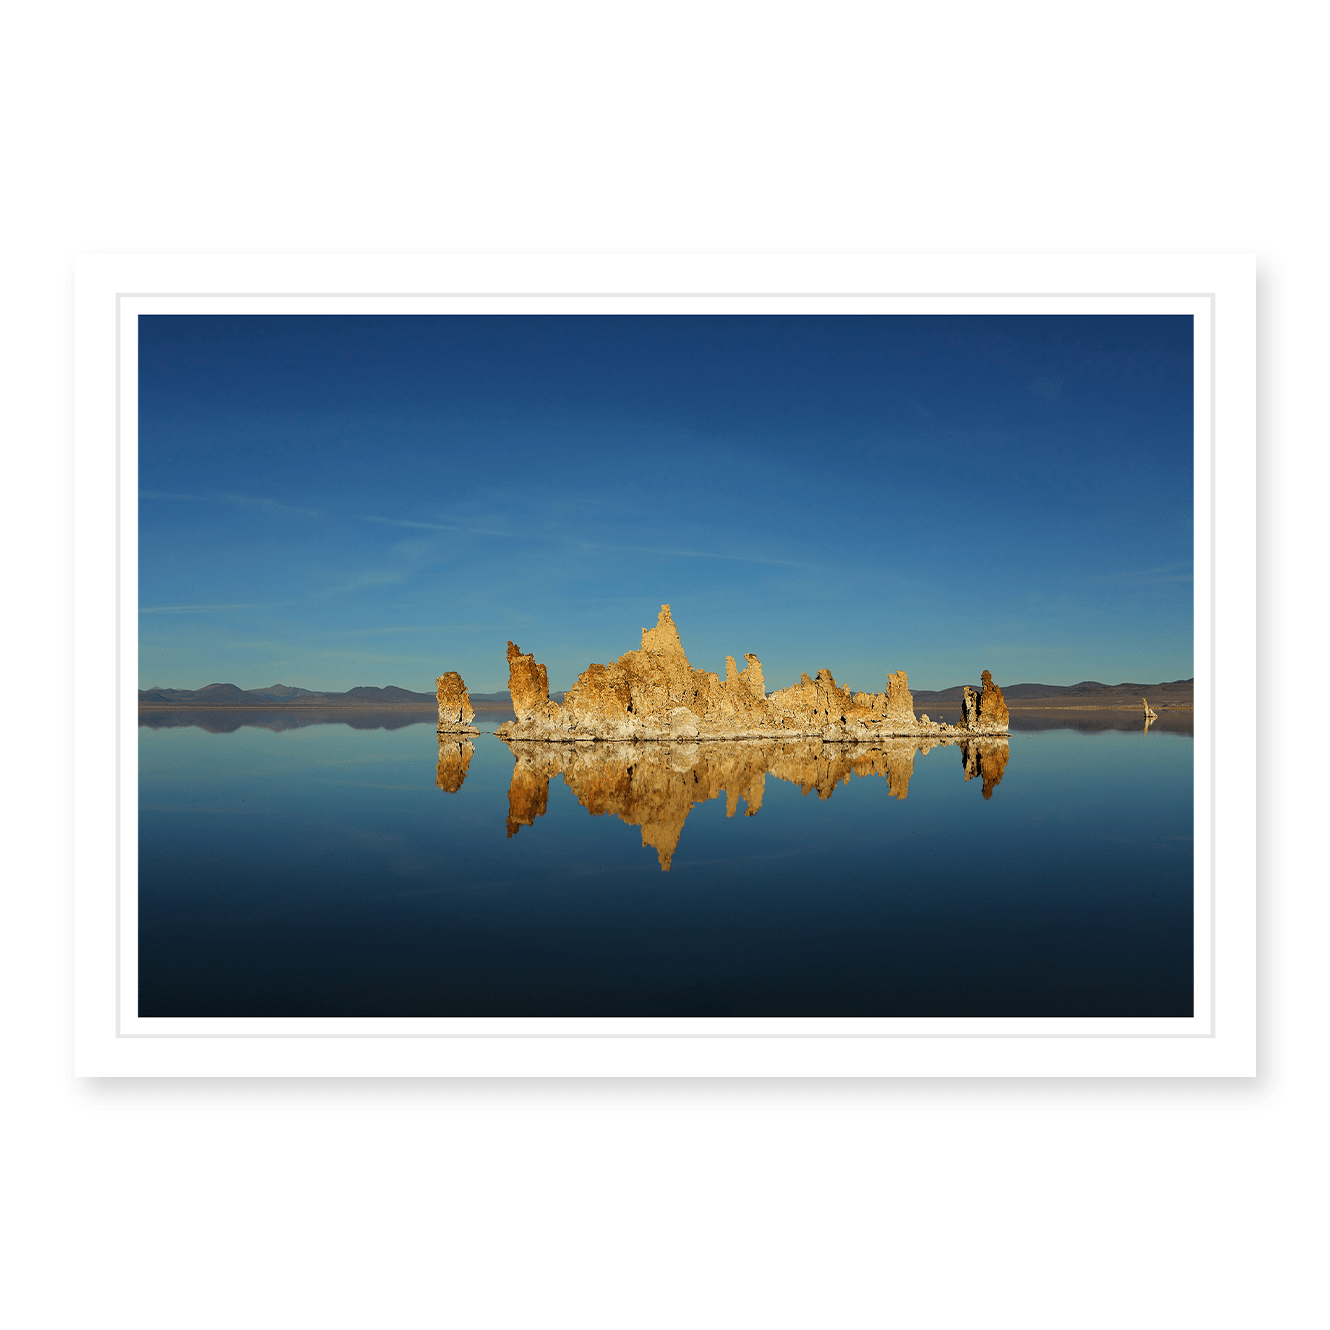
280	695
1051	695
284	696
1086	694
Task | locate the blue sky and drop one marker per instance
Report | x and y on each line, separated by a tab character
343	500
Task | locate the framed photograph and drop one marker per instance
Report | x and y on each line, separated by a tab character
665	665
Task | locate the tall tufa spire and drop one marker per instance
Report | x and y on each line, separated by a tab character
663	639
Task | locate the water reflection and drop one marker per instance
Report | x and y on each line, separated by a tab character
654	785
985	759
227	720
454	757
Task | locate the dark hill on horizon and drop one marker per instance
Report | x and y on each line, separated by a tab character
1088	693
285	696
1048	696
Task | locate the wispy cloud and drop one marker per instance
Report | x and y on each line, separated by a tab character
267	505
690	554
920	410
199	808
1165	574
292	655
197	609
392	658
419	628
440	526
255	502
363	581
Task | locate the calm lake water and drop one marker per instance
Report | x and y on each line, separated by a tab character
328	870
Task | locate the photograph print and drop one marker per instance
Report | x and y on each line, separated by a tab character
665	665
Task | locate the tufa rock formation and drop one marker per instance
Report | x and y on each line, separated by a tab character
454	757
984	712
455	711
654	693
528	684
654	786
1149	715
993	714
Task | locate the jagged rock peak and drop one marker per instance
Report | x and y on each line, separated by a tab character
455	710
985	711
751	677
993	712
655	693
528	683
899	697
663	639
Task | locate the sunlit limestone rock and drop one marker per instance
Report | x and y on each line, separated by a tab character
601	693
529	686
984	712
821	706
968	708
993	714
454	757
987	759
455	711
1150	717
653	786
655	693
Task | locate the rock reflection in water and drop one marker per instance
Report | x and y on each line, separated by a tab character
654	785
987	759
454	757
